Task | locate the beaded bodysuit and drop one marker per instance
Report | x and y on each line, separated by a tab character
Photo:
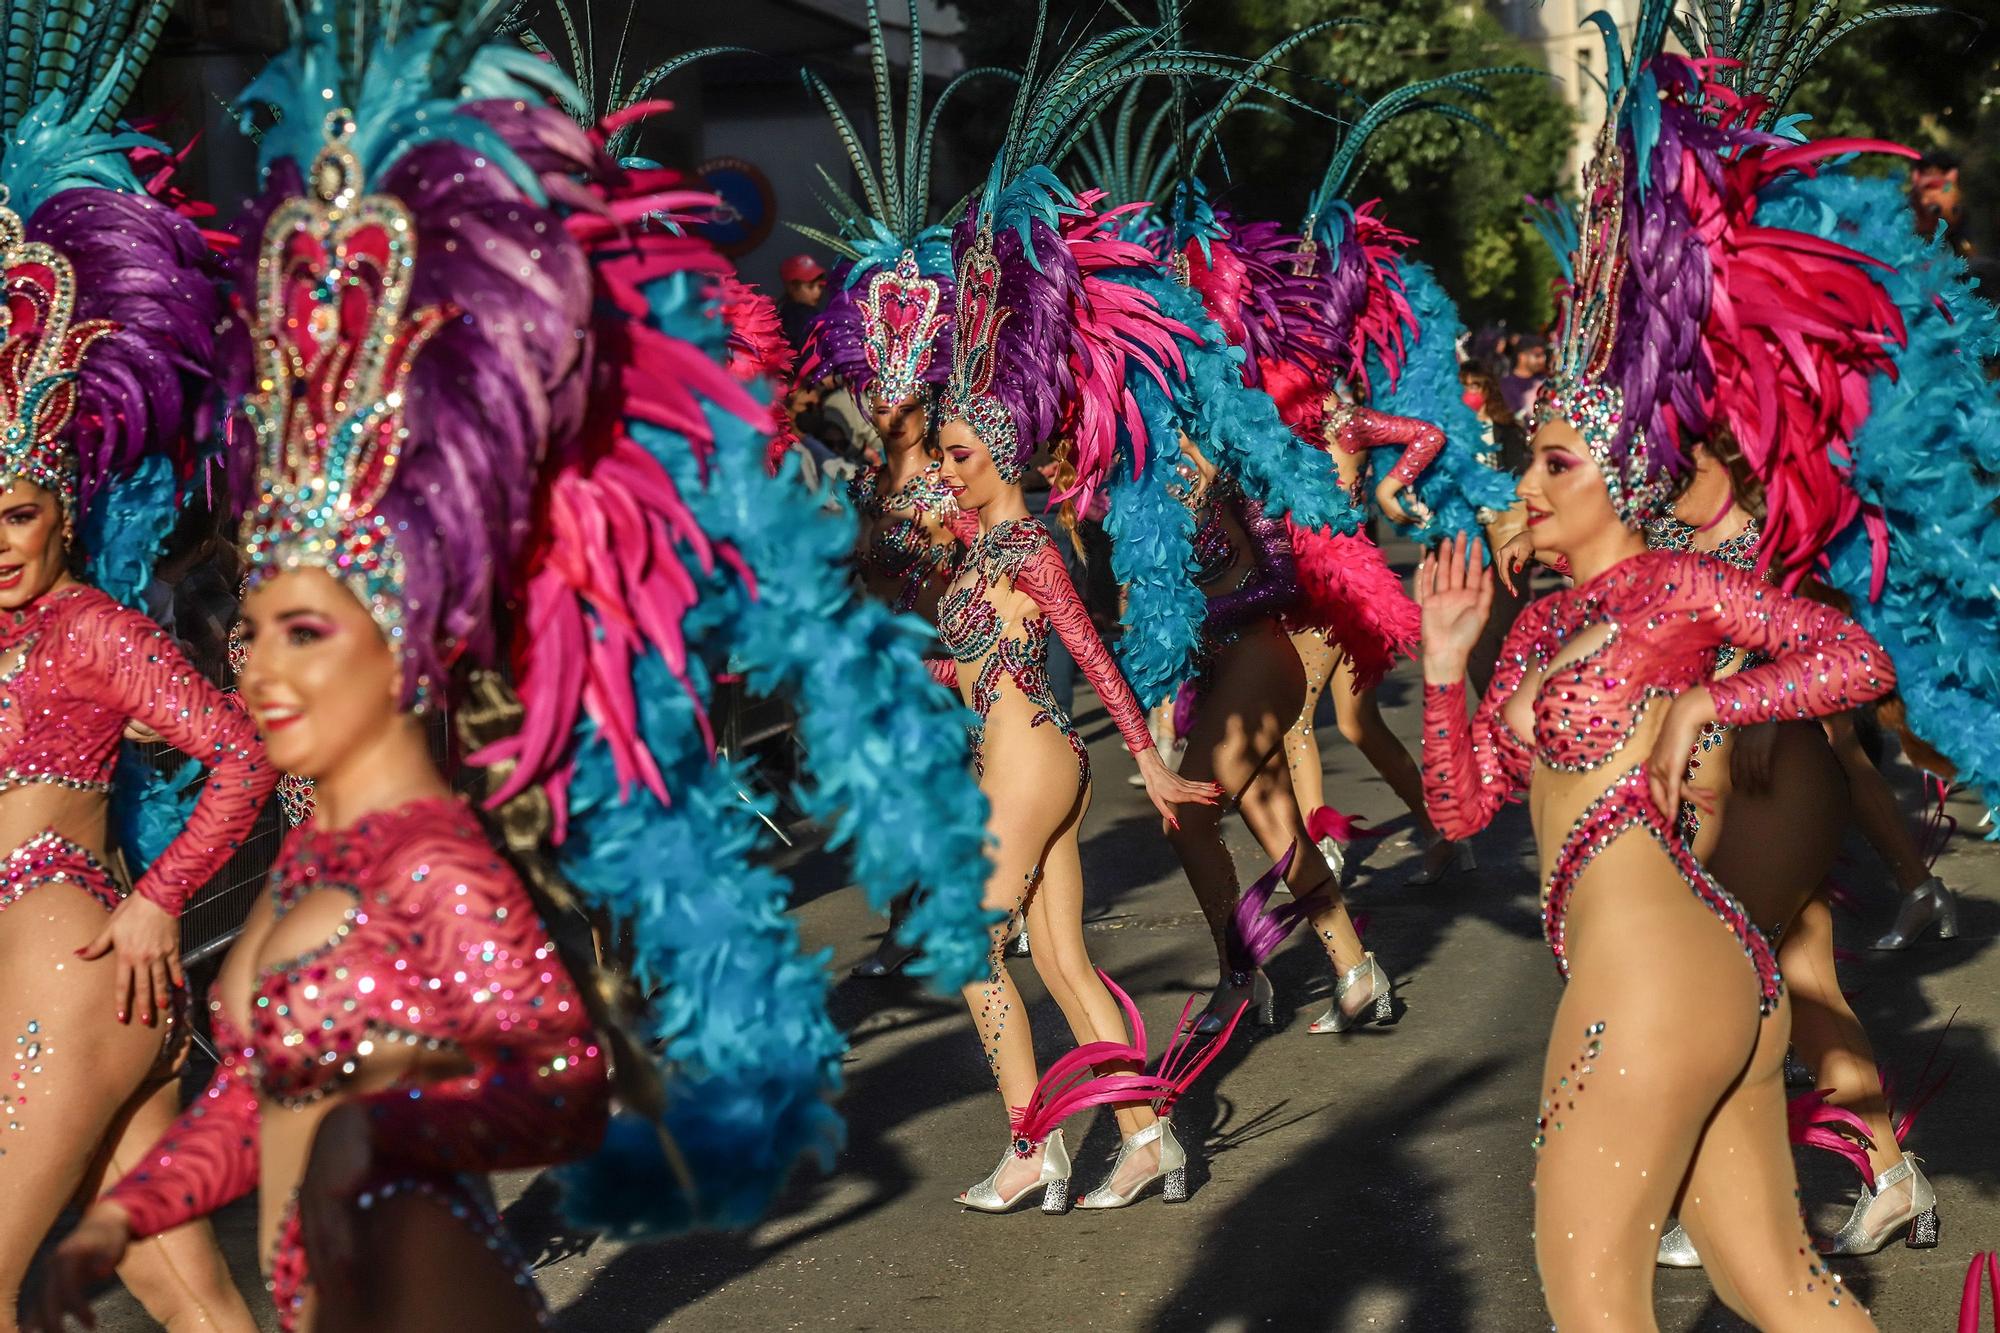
896	546
1664	614
1019	552
441	948
74	667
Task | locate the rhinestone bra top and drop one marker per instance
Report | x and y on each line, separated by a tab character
1667	613
1020	551
441	948
1270	583
74	667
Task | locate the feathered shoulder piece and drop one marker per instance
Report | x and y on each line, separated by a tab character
110	300
886	328
1687	314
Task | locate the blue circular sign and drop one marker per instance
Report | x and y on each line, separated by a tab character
749	208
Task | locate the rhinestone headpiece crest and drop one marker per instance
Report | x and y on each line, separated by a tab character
975	357
42	346
1577	390
900	318
334	342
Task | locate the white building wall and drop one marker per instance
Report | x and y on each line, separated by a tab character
1572	50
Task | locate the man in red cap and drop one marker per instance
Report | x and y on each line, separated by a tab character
805	288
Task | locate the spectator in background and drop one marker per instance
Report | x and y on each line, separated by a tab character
1524	378
1935	197
1505	450
805	288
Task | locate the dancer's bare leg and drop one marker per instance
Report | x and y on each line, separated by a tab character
69	1067
1318	658
1238	742
1876	812
1828	1037
417	1269
1361	722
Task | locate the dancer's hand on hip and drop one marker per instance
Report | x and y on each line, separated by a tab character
87	1256
1388	497
1455	592
1167	789
147	939
1666	768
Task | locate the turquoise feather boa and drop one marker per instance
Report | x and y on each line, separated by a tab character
752	1058
1928	458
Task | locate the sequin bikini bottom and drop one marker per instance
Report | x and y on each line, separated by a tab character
291	1279
50	858
1628	804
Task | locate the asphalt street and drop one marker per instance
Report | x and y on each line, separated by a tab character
1373	1181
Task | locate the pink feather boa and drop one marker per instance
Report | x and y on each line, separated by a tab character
1348	590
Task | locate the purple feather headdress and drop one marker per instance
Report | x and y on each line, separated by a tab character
1010	370
450	309
112	306
885	331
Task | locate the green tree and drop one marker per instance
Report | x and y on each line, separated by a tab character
1458	190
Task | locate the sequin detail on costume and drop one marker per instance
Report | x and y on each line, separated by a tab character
50	858
896	546
29	1052
1667	612
441	947
1355	429
1269	585
1020	551
1561	1098
85	666
901	317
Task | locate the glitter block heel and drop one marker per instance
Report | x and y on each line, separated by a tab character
1924	1231
1173	1185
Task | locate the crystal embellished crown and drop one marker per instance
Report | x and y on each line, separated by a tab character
334	341
42	346
901	318
975	357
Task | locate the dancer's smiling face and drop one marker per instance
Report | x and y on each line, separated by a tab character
33	556
319	678
1564	491
968	467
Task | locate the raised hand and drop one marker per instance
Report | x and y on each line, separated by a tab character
1455	593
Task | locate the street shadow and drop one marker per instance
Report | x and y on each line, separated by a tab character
1307	1245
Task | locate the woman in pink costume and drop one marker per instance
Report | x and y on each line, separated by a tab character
105	352
1663	1078
1042	346
395	1017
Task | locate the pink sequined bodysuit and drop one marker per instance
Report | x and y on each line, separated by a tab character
75	666
1357	429
1666	613
897	548
441	948
1020	552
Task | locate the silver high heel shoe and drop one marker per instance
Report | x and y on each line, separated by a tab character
1460	861
1380	1006
1676	1249
1053	1181
1171	1170
1918	1219
1263	1004
1932	902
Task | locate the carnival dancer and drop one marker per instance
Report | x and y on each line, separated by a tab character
885	334
1573	712
1048	344
108	344
434	436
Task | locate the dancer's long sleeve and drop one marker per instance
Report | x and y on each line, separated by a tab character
1044	578
123	664
1472	765
207	1159
1360	429
1272	586
1821	662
